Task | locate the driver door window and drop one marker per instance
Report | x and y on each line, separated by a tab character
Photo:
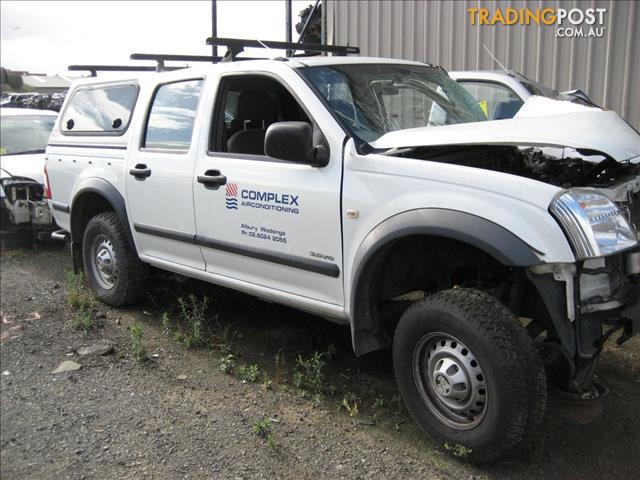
247	106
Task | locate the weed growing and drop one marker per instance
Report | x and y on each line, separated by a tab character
83	319
137	346
193	315
350	402
263	429
380	403
225	339
165	323
227	363
78	297
457	450
309	375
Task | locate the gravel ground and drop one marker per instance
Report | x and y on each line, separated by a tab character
177	415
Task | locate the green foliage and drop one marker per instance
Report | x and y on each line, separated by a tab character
248	373
78	297
227	363
137	346
309	375
165	323
73	280
350	403
380	403
225	338
83	319
263	429
459	451
266	381
193	314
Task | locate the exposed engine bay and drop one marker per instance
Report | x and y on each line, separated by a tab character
563	167
23	206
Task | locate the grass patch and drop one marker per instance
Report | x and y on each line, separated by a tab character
136	344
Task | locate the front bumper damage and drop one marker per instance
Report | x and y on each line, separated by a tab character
589	301
24	209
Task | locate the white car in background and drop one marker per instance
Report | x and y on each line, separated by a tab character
501	94
23	138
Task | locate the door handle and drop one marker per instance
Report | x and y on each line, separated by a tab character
140	172
212	179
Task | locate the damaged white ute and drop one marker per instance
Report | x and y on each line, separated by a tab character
494	257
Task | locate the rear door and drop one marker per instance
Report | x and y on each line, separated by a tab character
159	180
273	223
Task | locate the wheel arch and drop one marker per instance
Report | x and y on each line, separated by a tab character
470	231
94	196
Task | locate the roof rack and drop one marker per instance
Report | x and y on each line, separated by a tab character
234	47
94	69
237	45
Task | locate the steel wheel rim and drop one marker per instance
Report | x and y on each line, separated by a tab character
104	263
450	381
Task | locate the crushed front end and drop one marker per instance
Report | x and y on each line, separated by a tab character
24	210
598	296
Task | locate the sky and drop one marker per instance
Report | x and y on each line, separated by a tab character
47	36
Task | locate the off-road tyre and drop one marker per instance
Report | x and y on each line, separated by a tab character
131	274
513	376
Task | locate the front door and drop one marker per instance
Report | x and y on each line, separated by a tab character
273	223
159	177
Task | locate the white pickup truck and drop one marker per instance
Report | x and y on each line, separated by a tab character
370	192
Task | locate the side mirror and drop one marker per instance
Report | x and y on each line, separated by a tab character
293	142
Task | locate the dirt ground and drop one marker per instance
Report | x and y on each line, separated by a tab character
177	415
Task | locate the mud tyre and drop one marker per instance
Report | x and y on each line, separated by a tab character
470	375
111	265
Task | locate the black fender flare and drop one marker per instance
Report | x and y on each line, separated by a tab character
491	238
111	194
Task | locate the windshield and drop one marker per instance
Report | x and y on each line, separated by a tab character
374	99
21	134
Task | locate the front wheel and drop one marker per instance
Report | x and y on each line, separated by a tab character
469	374
112	267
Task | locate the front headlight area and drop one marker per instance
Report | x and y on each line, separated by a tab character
595	226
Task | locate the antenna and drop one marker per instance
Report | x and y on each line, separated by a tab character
494	58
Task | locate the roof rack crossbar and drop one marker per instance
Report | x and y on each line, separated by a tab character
156	57
237	45
94	69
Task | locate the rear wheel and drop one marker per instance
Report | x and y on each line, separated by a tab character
113	269
469	374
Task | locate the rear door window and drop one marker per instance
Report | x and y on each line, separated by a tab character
103	110
173	111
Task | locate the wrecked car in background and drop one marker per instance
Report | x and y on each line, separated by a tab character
501	94
23	138
375	193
